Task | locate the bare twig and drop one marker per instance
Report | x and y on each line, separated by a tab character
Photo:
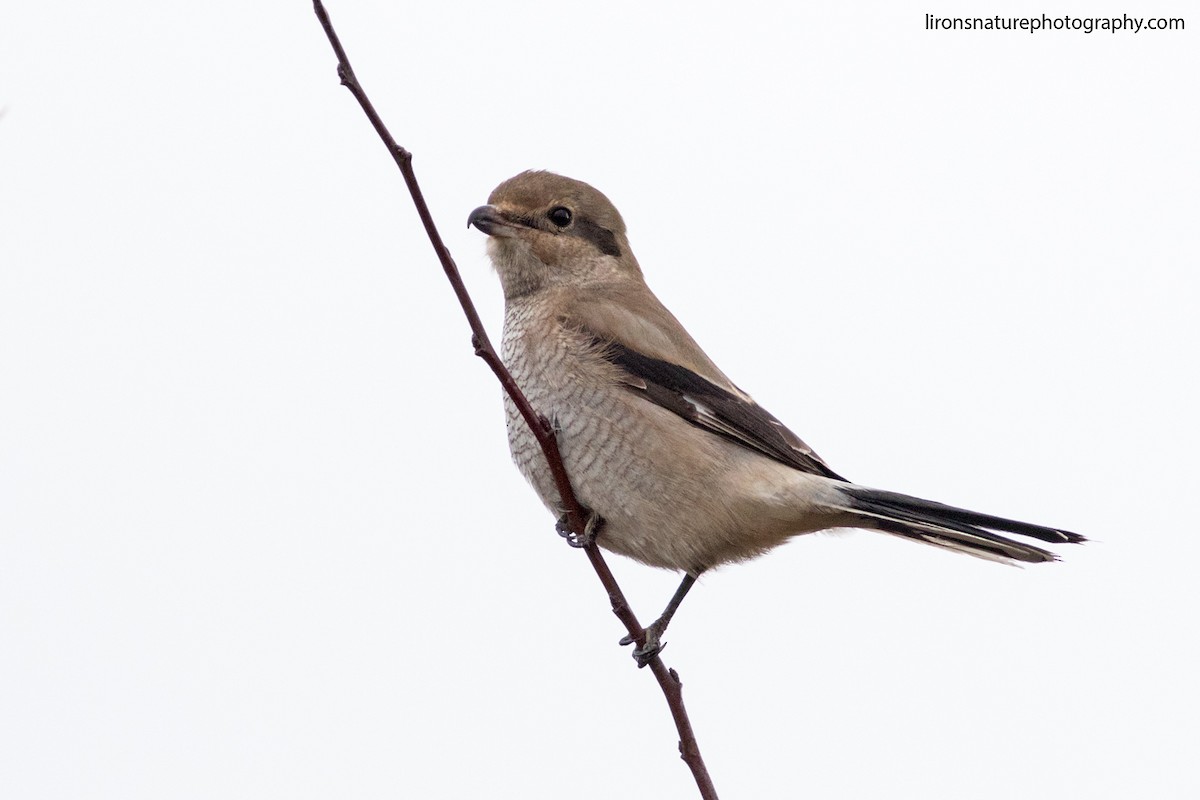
668	679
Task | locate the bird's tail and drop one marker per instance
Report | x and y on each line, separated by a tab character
952	528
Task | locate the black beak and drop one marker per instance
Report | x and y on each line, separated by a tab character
487	219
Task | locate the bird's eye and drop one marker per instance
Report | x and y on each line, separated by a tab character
560	216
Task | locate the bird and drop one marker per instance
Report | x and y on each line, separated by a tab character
677	467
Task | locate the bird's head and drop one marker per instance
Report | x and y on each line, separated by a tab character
545	230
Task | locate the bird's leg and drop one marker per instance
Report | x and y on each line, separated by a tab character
653	645
590	528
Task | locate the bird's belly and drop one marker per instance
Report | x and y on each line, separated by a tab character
671	495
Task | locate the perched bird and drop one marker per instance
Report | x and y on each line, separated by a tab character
681	468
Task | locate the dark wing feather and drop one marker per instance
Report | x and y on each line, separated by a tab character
706	405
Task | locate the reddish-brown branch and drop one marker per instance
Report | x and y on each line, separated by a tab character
668	679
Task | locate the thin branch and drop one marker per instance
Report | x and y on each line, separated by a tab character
668	679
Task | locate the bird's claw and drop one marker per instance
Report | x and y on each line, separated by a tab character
590	528
644	653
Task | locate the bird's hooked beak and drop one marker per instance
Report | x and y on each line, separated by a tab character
492	221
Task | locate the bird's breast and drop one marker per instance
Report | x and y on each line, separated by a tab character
568	386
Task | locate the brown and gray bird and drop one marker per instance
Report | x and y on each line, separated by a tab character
683	468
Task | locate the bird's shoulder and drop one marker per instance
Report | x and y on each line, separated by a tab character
632	316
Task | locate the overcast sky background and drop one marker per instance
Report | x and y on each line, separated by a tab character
259	531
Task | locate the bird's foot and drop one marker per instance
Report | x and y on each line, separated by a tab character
651	645
590	528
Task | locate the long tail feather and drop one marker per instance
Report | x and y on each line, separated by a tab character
953	528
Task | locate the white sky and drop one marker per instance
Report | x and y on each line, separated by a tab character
259	531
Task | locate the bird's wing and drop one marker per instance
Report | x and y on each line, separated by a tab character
708	406
659	360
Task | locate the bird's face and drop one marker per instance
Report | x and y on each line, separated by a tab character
545	230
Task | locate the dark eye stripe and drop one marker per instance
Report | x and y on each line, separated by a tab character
603	238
